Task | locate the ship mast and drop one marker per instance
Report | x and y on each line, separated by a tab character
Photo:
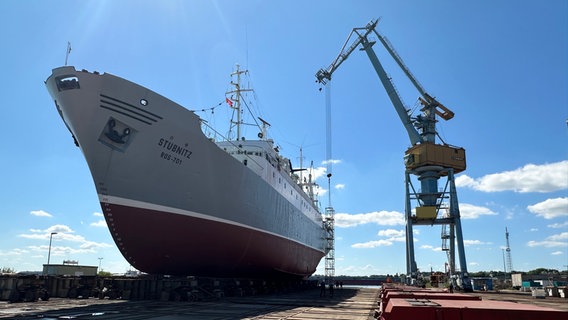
235	101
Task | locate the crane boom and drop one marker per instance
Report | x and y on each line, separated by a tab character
425	123
324	75
426	99
386	43
401	110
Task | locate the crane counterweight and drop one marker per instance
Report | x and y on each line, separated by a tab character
430	154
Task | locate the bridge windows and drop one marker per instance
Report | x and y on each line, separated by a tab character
67	83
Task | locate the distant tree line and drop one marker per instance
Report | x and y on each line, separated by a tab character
479	274
536	271
7	270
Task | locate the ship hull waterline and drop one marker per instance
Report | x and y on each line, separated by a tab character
189	245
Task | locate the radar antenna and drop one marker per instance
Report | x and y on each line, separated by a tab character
67	52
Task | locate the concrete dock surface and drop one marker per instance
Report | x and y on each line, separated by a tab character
346	303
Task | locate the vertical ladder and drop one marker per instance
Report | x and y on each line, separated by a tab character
329	224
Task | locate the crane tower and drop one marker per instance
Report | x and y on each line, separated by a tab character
508	252
426	159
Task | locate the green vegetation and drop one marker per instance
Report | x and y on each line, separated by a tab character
484	274
479	274
546	271
104	274
7	270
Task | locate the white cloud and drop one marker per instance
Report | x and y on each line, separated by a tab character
59	228
35	236
470	211
558	225
368	267
545	243
464	180
97	214
383	218
474	242
340	186
66	251
13	252
91	245
391	233
64	234
559	237
321	171
555	240
100	223
550	208
372	244
318	190
332	161
557	253
61	234
429	247
530	178
40	213
318	172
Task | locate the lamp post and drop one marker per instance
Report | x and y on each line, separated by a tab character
49	252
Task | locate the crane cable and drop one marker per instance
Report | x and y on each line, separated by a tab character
328	137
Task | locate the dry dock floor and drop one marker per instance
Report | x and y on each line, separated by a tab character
347	304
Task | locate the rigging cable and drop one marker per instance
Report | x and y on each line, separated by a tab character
212	109
329	161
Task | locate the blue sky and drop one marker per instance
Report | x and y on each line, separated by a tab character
501	66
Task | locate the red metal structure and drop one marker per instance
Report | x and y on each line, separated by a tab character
402	303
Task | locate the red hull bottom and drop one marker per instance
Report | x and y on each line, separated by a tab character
159	242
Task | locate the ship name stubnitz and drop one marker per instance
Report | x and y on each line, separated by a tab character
173	152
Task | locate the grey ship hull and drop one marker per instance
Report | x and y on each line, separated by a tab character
174	201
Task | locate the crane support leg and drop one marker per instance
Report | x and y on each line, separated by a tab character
411	268
455	215
451	219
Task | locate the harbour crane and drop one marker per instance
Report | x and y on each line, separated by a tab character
426	159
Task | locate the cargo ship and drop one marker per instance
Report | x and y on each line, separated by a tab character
178	202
